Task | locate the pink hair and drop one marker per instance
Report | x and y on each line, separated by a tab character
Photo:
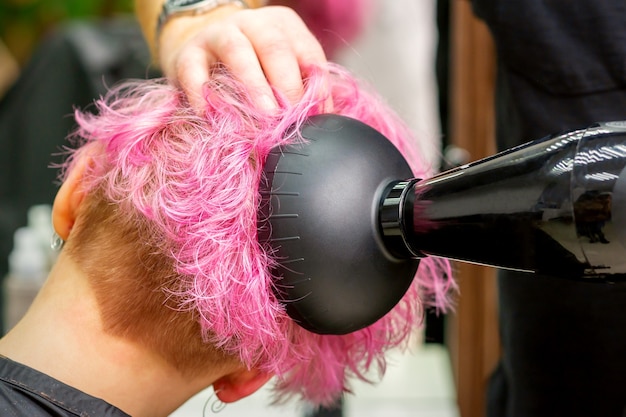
196	179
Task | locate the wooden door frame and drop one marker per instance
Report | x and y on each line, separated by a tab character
472	331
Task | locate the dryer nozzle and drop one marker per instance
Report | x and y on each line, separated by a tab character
556	206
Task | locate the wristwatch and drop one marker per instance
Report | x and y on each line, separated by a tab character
189	8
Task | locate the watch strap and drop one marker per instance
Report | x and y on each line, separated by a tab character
189	7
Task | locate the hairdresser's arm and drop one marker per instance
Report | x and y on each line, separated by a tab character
262	46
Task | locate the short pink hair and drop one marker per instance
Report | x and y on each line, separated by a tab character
195	179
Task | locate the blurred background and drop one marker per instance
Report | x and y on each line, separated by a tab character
55	56
23	23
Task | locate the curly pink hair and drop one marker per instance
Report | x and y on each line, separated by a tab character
195	179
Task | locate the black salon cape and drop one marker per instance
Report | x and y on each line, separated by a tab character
561	66
25	392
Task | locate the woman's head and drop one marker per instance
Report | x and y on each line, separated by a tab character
167	231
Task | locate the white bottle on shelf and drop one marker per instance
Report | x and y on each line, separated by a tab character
29	264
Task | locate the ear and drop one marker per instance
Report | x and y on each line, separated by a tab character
239	384
68	199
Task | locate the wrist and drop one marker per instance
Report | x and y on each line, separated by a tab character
175	8
181	17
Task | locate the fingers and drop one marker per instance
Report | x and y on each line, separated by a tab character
192	73
285	50
228	45
265	47
236	51
280	64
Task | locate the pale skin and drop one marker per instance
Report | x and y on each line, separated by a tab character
264	46
62	335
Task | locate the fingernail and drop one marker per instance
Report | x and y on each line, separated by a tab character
268	103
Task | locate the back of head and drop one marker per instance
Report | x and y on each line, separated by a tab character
168	233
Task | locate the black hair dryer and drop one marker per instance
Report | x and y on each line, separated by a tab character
349	224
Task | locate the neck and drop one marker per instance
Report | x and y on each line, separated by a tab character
129	376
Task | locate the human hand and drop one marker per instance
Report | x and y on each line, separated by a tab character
263	47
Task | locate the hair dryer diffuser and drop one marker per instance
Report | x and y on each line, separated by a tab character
336	276
348	224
